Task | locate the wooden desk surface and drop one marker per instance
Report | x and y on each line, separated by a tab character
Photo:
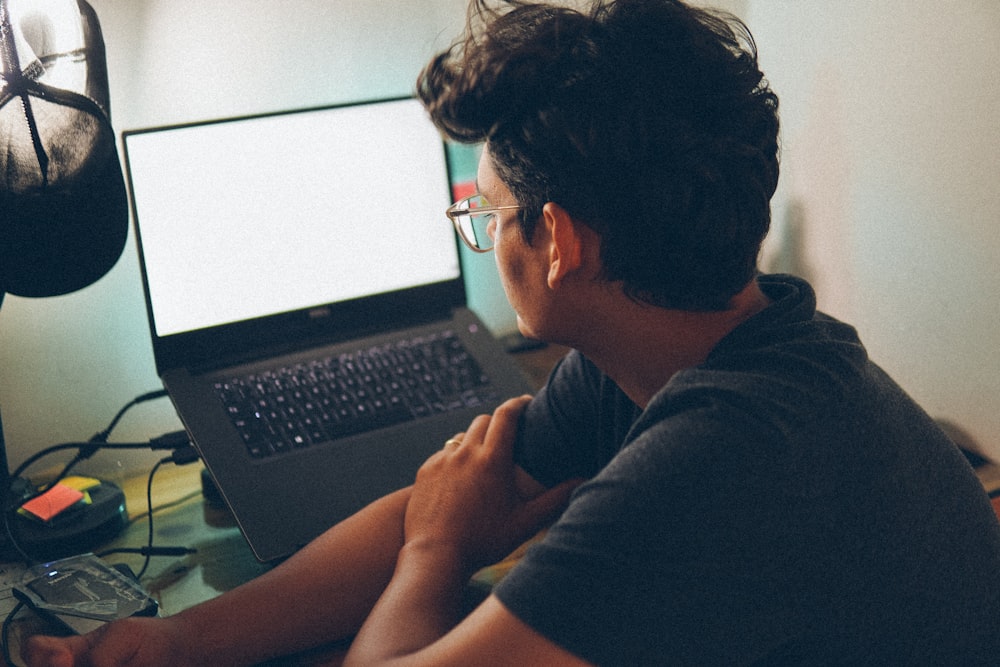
182	518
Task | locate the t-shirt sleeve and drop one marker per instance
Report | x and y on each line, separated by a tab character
574	425
589	584
646	563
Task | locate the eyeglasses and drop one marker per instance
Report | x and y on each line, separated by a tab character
472	217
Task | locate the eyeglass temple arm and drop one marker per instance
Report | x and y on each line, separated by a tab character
455	213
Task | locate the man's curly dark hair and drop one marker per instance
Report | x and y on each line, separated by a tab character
648	120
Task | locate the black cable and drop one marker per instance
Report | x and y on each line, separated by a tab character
149	514
181	456
5	638
150	551
85	450
98	441
9	505
102	436
183	453
9	530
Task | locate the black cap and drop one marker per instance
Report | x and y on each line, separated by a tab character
63	204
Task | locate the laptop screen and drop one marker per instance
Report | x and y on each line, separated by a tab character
245	218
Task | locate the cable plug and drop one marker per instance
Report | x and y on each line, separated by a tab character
172	440
165	551
150	551
184	455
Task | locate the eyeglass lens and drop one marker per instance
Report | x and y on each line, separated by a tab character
473	226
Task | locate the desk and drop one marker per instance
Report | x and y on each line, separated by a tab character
223	560
181	518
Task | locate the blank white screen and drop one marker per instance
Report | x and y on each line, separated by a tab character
245	218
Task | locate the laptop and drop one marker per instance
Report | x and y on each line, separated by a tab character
307	307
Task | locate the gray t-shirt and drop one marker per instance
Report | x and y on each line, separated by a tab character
785	502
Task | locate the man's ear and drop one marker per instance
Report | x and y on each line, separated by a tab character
565	251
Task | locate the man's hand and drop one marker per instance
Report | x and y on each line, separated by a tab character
469	507
466	500
145	642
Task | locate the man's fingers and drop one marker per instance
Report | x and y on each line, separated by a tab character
502	429
50	651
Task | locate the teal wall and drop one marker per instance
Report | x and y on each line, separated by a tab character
482	284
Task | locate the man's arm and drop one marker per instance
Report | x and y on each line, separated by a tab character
412	625
466	509
322	593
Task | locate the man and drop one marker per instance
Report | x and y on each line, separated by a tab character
747	487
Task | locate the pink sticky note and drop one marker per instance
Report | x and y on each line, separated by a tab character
52	502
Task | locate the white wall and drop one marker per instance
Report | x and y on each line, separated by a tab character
889	166
891	161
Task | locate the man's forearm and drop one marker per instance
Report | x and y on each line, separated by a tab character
419	606
321	594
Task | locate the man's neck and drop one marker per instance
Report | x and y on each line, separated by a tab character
642	347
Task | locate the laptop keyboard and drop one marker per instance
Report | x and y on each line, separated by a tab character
310	403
